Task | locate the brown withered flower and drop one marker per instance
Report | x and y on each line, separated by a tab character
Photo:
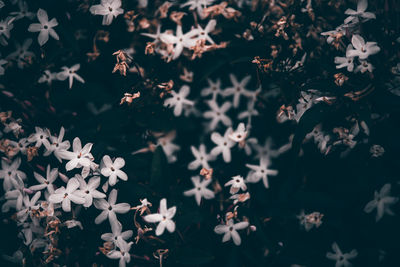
176	17
340	79
128	98
31	152
163	10
206	173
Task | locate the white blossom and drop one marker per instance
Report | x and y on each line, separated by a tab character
201	156
10	172
70	73
51	176
109	9
342	259
381	202
89	190
236	183
39	137
112	169
217	114
238	89
79	157
361	49
110	209
200	189
362	6
45	27
56	144
123	253
163	218
66	195
28	206
21	54
178	100
261	171
223	145
213	89
229	231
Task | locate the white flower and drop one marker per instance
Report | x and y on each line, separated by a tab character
45	27
249	112
362	49
88	190
168	147
261	172
178	100
179	40
217	114
70	73
48	77
29	205
240	134
339	31
80	157
200	189
56	144
345	61
110	9
268	151
112	169
224	145
198	5
204	33
10	173
364	66
66	195
51	176
23	11
14	197
201	156
361	7
116	229
236	183
342	259
40	136
164	218
21	145
22	54
213	89
238	89
123	253
109	209
230	231
5	28
381	202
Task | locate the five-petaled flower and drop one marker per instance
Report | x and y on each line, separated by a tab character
45	27
229	231
164	218
200	189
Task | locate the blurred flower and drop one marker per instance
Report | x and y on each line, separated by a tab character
168	146
197	5
23	11
178	100
70	73
66	195
179	40
362	5
164	218
2	62
201	156
223	145
200	189
21	54
381	202
109	9
213	89
109	209
261	172
47	77
236	183
237	89
230	231
376	151
10	172
5	28
45	27
204	33
217	114
342	259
